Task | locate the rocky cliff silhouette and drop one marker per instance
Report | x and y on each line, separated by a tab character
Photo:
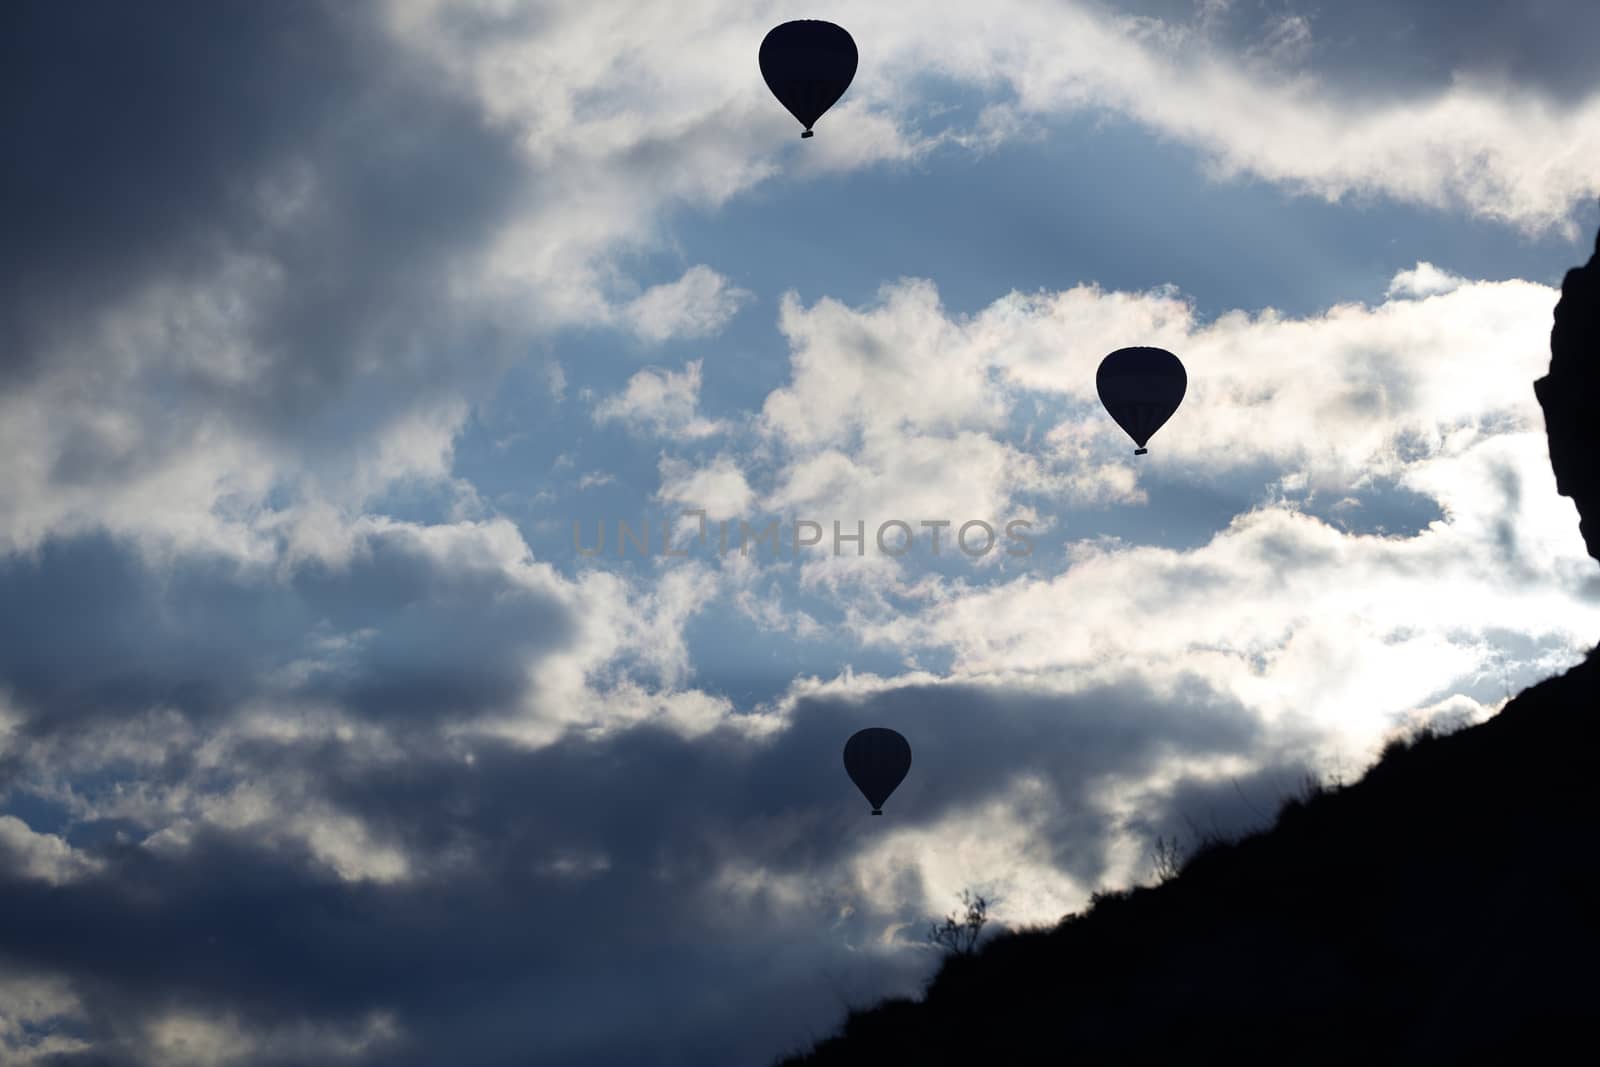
1568	392
1440	910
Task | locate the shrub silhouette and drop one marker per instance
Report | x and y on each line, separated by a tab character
959	933
1166	858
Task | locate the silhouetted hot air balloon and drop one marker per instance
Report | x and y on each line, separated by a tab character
1141	388
808	65
877	760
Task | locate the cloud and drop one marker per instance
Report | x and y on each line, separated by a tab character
34	1012
1338	394
891	413
376	733
400	624
196	1041
289	780
1365	47
303	307
1335	115
282	817
696	305
522	896
557	378
1424	394
719	488
1423	281
1344	634
661	402
865	372
911	479
234	284
45	857
898	410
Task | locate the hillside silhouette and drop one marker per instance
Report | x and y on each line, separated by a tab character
1440	910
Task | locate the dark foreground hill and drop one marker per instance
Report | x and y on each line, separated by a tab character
1441	910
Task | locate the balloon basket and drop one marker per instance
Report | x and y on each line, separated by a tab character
808	133
1140	451
877	811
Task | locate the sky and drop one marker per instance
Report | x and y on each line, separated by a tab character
333	334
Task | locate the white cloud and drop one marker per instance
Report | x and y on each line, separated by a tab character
997	847
1338	391
1493	150
1310	627
912	479
662	402
1422	281
188	1039
1336	395
682	94
556	376
696	305
279	813
32	1009
898	410
47	857
766	610
719	488
1286	41
899	364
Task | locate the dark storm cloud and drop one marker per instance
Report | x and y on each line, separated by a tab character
133	132
146	143
451	640
645	786
569	898
970	742
1197	809
479	973
87	628
92	633
1377	46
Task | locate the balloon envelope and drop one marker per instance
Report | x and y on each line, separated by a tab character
877	760
1141	388
808	65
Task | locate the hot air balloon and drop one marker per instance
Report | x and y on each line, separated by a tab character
877	760
808	65
1141	388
